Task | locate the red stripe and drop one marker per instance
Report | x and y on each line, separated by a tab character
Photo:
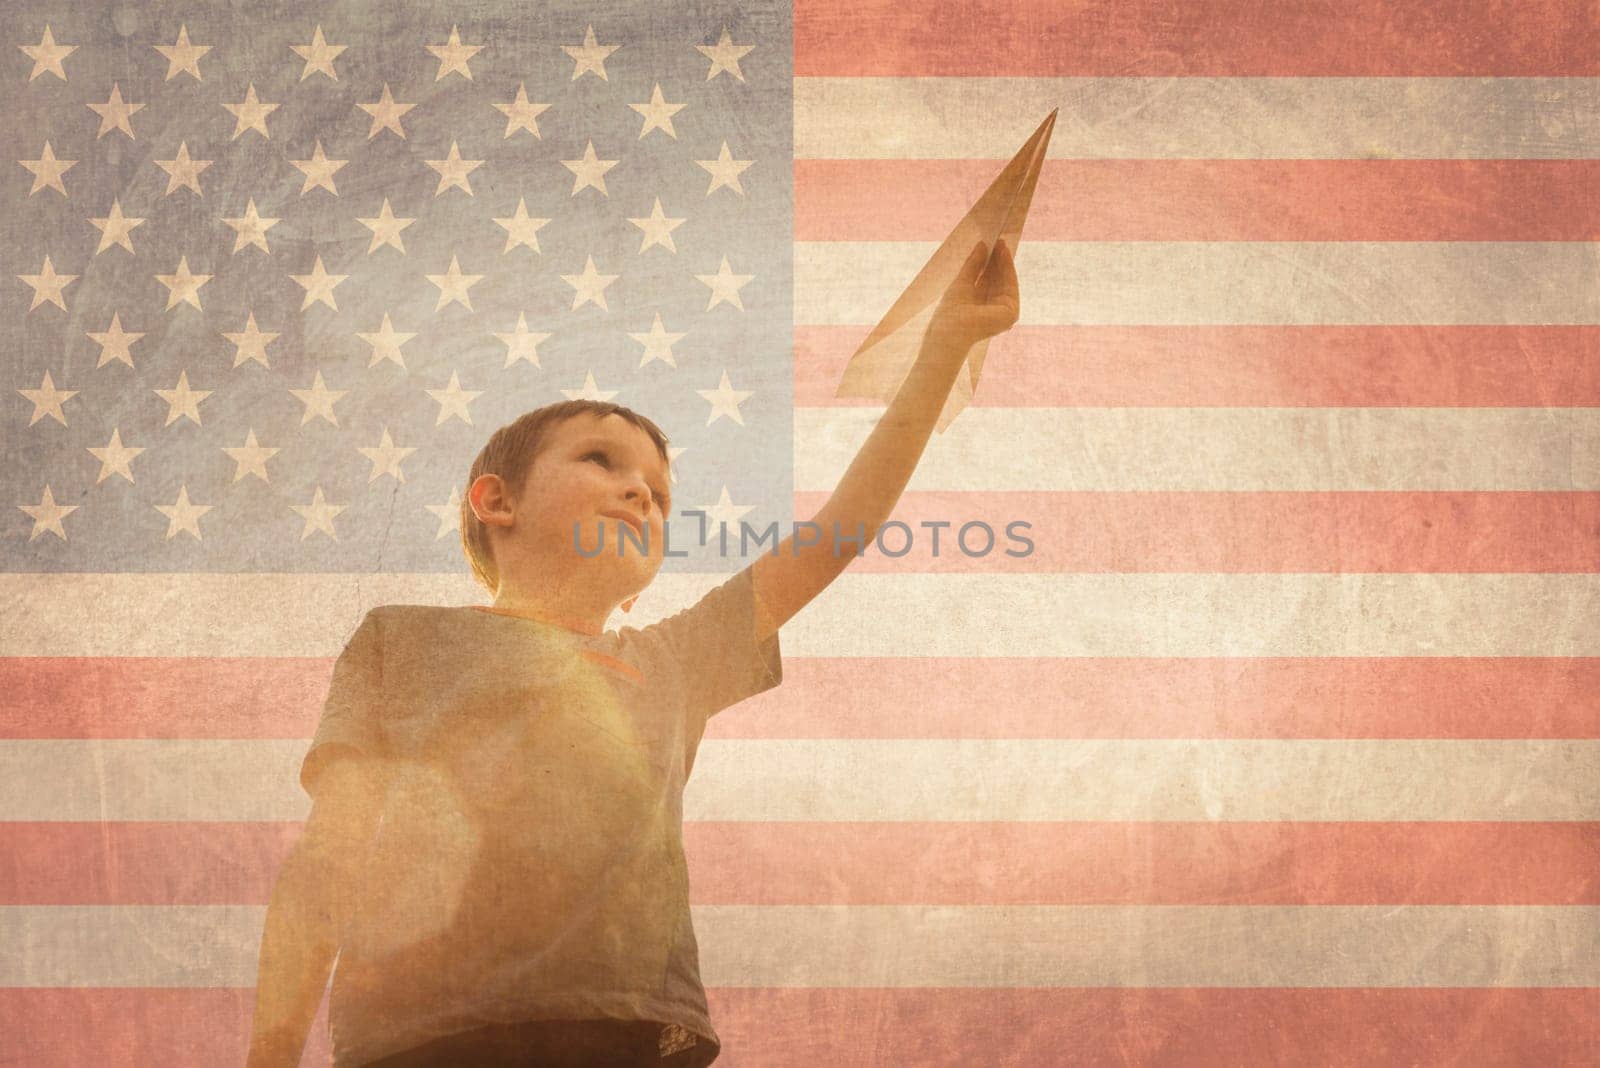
1198	38
1128	863
1233	532
956	863
89	1027
1212	199
1201	697
779	1028
825	697
1253	366
805	1027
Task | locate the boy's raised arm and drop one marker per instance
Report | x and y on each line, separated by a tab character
977	305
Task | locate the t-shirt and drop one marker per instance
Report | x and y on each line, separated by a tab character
528	863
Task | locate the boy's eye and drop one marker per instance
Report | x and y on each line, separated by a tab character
661	502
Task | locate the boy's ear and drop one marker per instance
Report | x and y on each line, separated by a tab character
487	497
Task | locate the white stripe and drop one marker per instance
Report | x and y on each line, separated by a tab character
1199	118
868	613
1181	283
245	614
1225	449
897	779
920	946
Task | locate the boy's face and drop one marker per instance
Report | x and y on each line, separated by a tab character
591	466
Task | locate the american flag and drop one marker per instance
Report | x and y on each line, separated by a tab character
1283	745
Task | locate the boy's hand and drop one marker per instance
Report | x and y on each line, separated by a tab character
979	304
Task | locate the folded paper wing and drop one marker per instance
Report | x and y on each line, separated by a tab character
884	359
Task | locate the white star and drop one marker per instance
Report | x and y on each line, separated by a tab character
453	170
47	285
115	342
47	400
115	113
386	343
589	170
115	458
520	114
453	285
251	229
251	458
725	285
251	343
115	228
589	391
723	513
319	170
386	114
657	343
47	170
725	170
453	56
449	514
590	56
183	401
319	400
658	114
673	452
724	56
47	55
183	57
521	229
657	228
250	114
183	171
725	400
589	286
183	285
183	515
386	229
386	457
318	515
521	343
47	515
319	285
319	56
453	401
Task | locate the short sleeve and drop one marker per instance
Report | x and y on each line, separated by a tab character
713	645
349	714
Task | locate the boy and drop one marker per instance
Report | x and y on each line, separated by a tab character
494	849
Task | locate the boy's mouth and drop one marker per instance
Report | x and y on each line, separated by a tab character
631	520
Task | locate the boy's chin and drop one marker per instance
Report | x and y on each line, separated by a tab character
634	569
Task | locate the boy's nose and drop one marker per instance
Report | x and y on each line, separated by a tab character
637	500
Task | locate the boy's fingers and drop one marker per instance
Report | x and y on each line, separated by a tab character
1007	265
975	259
1000	271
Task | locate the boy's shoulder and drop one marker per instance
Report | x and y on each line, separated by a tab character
421	613
387	612
389	625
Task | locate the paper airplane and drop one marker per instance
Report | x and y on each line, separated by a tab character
885	358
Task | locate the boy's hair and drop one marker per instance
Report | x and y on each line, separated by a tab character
511	451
